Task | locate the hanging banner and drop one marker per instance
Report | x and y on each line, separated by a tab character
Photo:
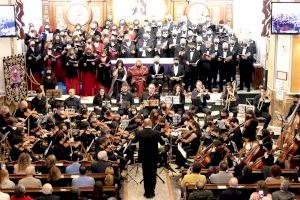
15	78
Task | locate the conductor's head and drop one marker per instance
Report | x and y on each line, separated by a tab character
147	123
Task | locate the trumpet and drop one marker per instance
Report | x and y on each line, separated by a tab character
263	99
202	93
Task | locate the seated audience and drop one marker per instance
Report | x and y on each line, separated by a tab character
73	168
201	193
24	161
283	193
261	192
5	183
47	193
247	176
192	177
83	180
75	193
19	193
222	177
97	193
231	192
29	181
54	177
102	163
276	177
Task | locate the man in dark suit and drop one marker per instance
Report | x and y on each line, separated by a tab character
145	46
225	65
175	74
47	193
156	74
191	58
232	192
102	163
148	155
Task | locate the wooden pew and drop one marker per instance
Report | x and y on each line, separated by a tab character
65	177
64	192
292	174
246	189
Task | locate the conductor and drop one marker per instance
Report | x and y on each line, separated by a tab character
148	155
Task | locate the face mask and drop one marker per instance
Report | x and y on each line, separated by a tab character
156	62
223	117
165	35
176	63
138	65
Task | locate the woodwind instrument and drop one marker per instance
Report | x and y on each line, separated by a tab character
230	96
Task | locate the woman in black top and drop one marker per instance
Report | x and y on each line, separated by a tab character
251	124
119	76
178	91
49	80
71	66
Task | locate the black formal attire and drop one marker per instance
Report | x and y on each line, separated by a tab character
72	102
98	100
173	42
146	96
292	108
48	197
175	71
232	194
250	131
246	67
225	67
200	102
34	62
126	50
142	48
263	112
179	108
154	70
100	166
233	104
206	67
123	99
49	83
161	47
148	156
39	105
193	69
118	80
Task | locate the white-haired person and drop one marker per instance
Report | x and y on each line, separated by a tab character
47	193
284	192
102	163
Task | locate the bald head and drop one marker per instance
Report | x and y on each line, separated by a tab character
200	184
23	104
147	123
72	92
47	189
233	182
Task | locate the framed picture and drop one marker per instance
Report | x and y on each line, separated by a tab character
282	75
77	12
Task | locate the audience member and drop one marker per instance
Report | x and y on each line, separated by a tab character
247	176
83	180
97	192
261	192
54	177
73	168
102	163
192	177
29	181
232	192
276	177
201	193
75	193
5	183
47	193
19	193
223	176
24	161
283	193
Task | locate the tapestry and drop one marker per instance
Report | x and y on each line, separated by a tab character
15	78
267	18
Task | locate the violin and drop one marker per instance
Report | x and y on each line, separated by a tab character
32	113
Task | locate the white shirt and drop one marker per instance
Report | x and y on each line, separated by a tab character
175	70
244	51
191	55
4	196
224	53
174	40
156	66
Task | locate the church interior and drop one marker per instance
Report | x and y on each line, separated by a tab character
149	99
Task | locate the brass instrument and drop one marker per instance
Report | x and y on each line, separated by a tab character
230	96
202	93
263	99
